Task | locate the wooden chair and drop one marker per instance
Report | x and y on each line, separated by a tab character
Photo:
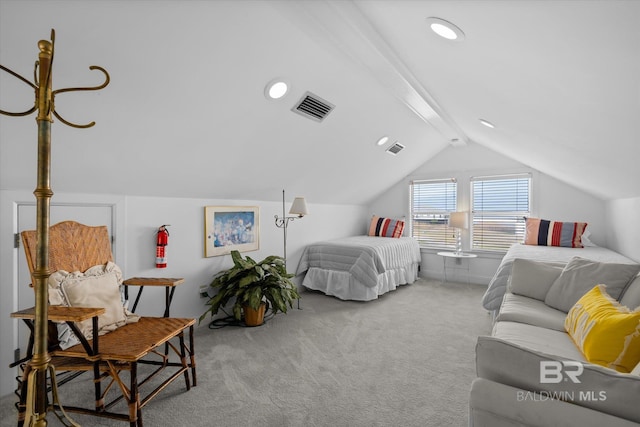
76	247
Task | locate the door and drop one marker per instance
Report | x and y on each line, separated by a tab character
88	214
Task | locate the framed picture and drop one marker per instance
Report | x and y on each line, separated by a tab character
228	228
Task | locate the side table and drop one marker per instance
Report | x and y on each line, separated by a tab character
168	283
458	257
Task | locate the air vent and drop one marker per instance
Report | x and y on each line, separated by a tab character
313	107
395	148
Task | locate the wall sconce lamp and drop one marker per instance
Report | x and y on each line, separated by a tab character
299	209
459	221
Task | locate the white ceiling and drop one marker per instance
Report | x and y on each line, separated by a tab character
185	115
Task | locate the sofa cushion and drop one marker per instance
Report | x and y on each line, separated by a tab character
606	332
533	278
518	308
539	339
580	275
631	295
519	366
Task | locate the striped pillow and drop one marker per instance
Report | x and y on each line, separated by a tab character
386	227
554	233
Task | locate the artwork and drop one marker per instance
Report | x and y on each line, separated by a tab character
229	228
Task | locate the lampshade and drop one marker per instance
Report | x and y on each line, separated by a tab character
299	207
459	220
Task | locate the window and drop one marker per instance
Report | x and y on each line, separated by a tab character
499	205
431	202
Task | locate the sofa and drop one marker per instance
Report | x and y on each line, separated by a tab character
532	372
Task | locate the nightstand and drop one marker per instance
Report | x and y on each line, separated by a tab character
459	262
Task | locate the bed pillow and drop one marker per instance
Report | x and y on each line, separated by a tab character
542	232
586	238
99	286
386	227
606	332
580	275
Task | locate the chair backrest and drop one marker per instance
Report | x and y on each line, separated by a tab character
72	246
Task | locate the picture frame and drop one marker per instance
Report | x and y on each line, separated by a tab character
228	228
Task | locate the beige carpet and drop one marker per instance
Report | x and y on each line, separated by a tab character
406	359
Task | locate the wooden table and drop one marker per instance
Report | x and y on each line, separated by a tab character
168	283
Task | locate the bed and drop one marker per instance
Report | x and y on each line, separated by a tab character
498	285
360	268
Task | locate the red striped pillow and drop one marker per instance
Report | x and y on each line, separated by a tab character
542	232
386	227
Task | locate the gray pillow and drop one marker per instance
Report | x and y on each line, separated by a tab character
631	296
580	275
533	278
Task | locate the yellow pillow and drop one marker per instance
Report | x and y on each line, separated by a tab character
606	332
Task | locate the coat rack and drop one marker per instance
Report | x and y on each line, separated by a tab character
37	368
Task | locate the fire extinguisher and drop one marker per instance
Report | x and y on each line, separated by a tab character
162	241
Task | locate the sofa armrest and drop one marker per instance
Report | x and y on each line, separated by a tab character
499	405
581	383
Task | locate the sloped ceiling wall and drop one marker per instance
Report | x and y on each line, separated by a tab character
185	113
559	79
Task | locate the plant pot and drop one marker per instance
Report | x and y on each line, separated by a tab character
254	317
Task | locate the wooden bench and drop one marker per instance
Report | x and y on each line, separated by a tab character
77	247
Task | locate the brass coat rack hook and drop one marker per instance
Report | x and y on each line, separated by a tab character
35	385
107	79
44	96
24	113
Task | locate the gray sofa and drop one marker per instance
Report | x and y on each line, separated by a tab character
530	373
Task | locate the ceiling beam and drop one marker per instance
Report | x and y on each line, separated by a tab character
342	25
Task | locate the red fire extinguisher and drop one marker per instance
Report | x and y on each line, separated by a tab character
161	242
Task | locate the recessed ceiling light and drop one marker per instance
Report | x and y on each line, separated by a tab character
445	29
487	123
383	140
276	89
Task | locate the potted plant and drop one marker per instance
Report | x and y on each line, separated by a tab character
253	285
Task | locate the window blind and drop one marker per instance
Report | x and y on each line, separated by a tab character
431	202
499	205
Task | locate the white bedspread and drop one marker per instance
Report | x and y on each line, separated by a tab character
360	267
498	285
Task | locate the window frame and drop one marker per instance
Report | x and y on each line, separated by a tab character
428	240
491	243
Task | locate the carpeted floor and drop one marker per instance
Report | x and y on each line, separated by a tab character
406	359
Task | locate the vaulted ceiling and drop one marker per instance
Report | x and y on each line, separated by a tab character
185	113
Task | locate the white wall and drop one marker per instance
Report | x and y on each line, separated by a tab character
624	227
551	199
186	241
137	219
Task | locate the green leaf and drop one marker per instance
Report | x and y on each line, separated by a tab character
248	279
237	311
